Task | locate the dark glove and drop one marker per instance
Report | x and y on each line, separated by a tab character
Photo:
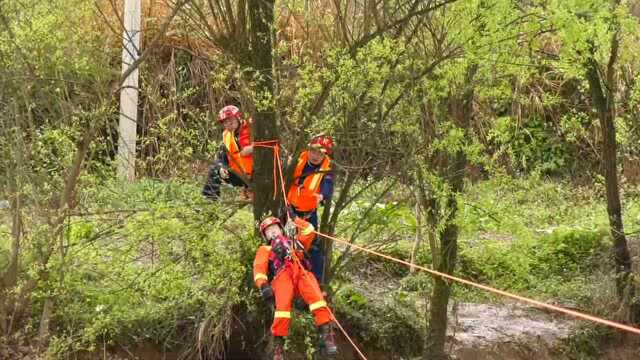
280	250
267	292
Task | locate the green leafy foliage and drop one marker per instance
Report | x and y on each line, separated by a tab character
586	343
531	146
522	264
151	275
537	236
150	262
389	326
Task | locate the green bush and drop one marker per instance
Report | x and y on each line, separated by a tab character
586	343
566	251
530	263
531	145
152	275
391	326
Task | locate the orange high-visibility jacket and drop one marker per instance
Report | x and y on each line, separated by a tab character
261	261
240	164
302	196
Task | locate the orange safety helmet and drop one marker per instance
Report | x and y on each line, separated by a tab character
229	111
322	142
268	222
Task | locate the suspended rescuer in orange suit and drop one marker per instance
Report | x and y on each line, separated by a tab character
280	270
313	185
234	164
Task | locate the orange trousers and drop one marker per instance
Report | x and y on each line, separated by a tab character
291	281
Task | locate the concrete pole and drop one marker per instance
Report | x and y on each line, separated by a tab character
129	92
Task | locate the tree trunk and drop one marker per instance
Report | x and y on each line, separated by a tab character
10	276
264	126
604	104
452	171
606	117
329	221
418	239
327	244
437	332
45	319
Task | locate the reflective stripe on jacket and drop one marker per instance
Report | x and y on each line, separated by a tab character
240	164
303	196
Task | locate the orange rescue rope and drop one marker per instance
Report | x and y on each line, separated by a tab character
275	146
535	303
333	317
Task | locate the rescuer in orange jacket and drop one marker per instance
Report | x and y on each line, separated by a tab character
235	159
283	261
313	185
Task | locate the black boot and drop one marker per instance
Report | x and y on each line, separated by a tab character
211	189
278	348
328	339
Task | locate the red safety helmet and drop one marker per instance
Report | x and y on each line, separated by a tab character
323	143
268	222
229	111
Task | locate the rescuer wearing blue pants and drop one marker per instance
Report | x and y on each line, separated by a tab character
313	185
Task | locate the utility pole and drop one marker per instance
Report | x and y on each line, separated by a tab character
129	92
